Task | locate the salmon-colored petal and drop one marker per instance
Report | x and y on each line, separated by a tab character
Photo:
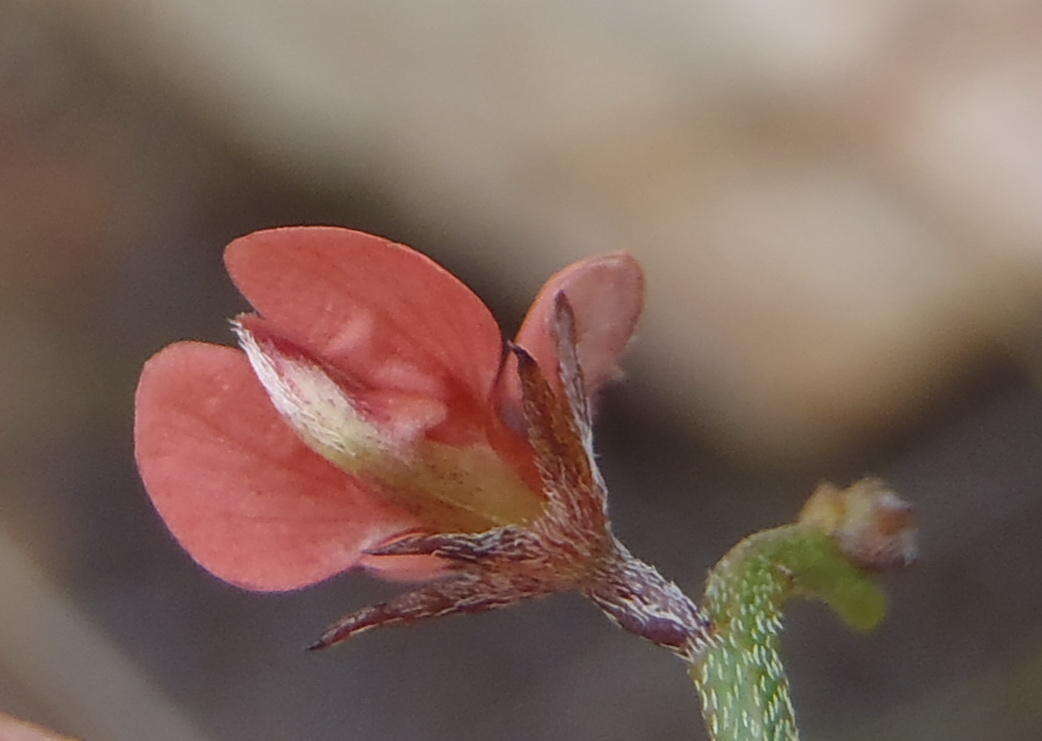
380	436
239	490
358	430
381	312
607	296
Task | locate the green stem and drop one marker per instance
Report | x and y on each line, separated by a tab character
741	680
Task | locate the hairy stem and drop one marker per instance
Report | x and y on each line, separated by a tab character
825	556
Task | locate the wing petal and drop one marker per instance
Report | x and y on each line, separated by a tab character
236	486
606	294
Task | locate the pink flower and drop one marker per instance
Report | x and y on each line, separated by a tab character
373	419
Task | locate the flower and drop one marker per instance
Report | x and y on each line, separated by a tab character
372	418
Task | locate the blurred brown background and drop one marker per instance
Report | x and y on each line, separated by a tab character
839	207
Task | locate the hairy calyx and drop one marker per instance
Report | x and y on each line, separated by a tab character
568	546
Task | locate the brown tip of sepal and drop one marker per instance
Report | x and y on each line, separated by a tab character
872	525
522	355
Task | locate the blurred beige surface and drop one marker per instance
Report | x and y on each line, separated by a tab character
793	175
13	729
838	206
